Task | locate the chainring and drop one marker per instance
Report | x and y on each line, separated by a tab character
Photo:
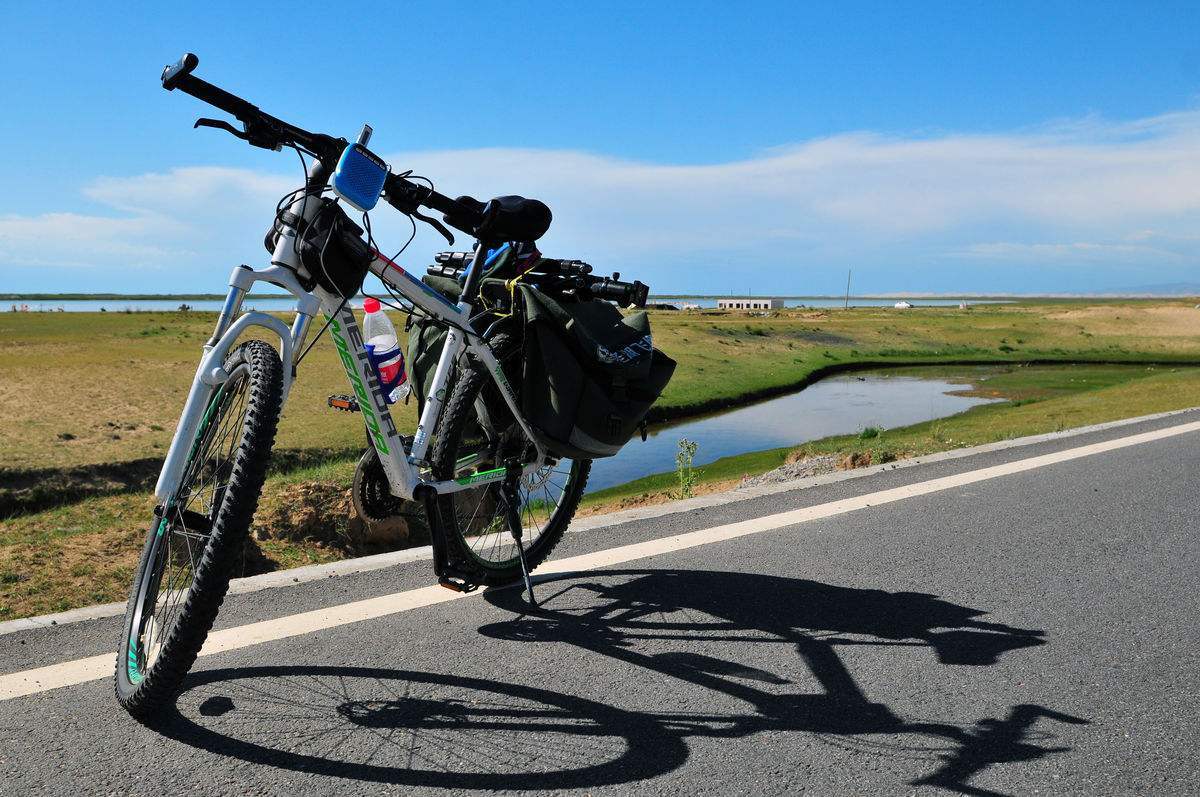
372	497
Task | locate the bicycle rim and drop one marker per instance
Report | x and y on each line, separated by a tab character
183	532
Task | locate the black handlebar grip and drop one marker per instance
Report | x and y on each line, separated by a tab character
625	294
171	75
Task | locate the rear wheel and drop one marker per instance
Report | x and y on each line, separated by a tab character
478	433
196	538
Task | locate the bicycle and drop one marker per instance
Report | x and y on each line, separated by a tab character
497	500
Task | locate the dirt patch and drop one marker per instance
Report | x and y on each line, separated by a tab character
855	459
1171	321
324	513
655	498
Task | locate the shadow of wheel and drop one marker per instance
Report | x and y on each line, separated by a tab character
417	729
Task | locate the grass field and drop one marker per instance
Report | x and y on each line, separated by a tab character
91	388
88	403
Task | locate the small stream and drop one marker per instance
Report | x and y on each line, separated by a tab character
837	405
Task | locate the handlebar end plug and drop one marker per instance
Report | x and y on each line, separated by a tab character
173	73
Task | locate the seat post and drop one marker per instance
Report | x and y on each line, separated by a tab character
475	271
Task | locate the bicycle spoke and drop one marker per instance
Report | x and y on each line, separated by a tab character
182	545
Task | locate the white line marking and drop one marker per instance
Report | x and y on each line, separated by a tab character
70	673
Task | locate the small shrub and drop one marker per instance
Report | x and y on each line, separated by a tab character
683	467
869	433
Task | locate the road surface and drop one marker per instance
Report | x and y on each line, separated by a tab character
1015	621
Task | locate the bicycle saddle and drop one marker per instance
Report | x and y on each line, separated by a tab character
505	218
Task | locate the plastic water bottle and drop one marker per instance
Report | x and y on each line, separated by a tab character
384	350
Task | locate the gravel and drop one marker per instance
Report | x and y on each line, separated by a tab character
812	466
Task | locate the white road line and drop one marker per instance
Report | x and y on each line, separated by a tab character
79	671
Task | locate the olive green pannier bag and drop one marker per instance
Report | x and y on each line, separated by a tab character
590	373
425	338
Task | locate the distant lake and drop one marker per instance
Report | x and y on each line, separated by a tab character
143	305
288	303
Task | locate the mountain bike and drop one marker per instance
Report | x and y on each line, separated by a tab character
497	500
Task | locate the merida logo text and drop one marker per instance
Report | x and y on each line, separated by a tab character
372	403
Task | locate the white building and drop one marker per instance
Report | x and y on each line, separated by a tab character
745	303
903	305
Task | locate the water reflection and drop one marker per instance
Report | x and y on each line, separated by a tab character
837	405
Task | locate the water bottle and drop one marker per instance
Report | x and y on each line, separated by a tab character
384	350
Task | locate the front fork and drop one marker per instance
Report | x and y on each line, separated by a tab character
210	374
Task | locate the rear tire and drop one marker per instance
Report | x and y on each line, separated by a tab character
192	548
474	527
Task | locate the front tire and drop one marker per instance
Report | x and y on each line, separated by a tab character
195	540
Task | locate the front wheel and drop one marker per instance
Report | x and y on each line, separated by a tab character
478	433
196	537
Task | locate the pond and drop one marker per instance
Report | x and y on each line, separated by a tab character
838	405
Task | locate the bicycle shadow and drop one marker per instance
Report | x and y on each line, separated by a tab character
425	729
416	729
613	612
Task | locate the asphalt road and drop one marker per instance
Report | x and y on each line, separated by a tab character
1031	632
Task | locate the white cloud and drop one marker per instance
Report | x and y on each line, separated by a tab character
1082	191
1076	252
72	240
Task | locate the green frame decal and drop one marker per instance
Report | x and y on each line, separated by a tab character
366	403
484	476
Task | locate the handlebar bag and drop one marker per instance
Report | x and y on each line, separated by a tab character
331	249
590	374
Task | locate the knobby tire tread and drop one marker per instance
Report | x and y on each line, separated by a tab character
163	679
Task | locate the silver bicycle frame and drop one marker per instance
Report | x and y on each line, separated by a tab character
405	470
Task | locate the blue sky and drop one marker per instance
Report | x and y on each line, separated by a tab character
699	146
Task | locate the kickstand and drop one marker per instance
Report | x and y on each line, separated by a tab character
512	504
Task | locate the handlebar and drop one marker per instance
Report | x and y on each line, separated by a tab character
406	196
260	129
268	132
572	277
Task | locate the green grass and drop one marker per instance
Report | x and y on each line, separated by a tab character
720	470
122	380
85	552
124	377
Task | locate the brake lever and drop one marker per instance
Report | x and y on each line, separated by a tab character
437	225
256	135
221	124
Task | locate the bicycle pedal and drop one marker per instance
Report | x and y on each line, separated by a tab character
457	585
344	403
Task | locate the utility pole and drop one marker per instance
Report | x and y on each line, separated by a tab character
848	273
